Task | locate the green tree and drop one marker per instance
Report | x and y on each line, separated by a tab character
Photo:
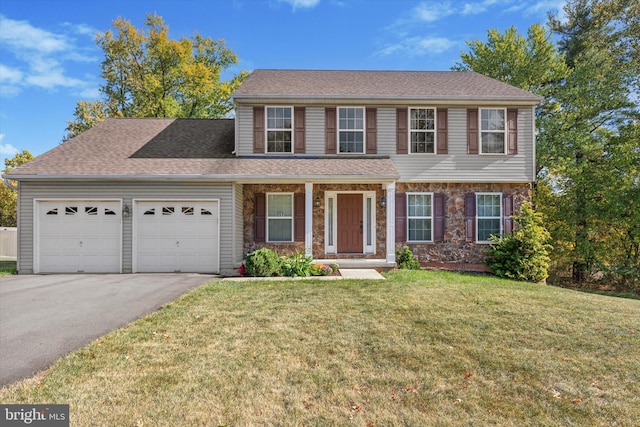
147	74
8	196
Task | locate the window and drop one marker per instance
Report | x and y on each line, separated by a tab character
492	130
489	215
422	130
280	217
279	129
351	129
419	217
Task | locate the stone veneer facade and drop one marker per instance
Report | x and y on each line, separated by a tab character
454	252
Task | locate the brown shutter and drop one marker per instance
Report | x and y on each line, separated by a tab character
512	130
258	130
443	143
372	126
330	130
507	212
298	217
402	135
259	217
439	210
401	217
299	130
470	216
472	131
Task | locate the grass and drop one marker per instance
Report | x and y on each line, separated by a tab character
421	348
7	267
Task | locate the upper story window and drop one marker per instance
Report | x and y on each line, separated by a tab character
279	129
489	215
422	130
351	129
493	131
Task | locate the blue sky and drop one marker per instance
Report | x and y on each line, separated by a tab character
49	61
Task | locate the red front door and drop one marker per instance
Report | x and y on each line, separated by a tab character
350	223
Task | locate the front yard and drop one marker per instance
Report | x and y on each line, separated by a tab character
421	348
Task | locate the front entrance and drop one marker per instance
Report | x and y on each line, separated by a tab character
350	224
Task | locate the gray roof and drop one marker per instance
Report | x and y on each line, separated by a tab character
427	85
182	148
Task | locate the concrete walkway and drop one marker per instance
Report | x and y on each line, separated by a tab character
350	273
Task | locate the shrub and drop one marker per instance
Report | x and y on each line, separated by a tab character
297	264
406	259
334	267
321	270
523	255
262	263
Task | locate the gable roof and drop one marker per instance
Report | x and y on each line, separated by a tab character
151	148
407	85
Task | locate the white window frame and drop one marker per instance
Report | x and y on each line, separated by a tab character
489	131
420	217
276	129
268	218
434	131
339	130
478	217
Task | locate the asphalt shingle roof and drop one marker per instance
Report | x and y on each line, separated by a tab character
378	84
148	148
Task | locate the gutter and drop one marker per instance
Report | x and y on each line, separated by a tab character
8	183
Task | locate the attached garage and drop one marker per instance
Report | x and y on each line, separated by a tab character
78	236
176	236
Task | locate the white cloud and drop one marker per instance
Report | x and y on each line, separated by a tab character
302	4
7	150
419	46
432	12
34	57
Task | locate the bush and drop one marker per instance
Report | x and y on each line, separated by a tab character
406	260
297	264
334	267
523	255
262	263
321	270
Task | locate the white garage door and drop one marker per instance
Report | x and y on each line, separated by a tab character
176	236
78	236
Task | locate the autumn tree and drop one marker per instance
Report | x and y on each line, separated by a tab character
9	196
147	74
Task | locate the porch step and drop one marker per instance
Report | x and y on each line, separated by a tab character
346	263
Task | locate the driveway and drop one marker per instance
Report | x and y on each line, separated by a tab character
43	318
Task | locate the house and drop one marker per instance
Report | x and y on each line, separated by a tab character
343	165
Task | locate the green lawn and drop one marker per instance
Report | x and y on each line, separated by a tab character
421	348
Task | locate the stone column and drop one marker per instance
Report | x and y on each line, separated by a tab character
391	222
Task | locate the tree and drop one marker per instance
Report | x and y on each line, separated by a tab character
149	75
8	196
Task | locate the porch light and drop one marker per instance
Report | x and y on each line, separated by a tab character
317	202
125	211
383	201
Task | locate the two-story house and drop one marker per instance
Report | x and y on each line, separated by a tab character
343	165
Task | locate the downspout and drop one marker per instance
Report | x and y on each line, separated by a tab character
9	184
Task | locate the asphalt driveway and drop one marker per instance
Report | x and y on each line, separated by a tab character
43	318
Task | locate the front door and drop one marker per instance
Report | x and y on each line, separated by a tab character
350	223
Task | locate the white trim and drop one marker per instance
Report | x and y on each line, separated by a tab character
364	130
500	218
266	215
504	132
366	249
36	226
266	129
432	217
391	222
134	242
435	130
308	219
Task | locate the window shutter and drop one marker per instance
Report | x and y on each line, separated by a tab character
439	209
299	130
298	217
330	130
372	126
472	131
258	130
401	217
259	218
507	212
443	120
470	216
512	129
402	136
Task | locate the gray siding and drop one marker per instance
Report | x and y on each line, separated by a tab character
127	191
244	130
